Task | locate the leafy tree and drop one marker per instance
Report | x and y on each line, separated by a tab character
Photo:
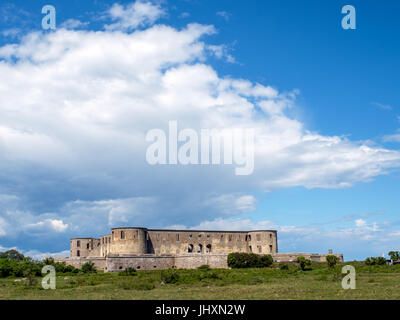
332	260
30	274
372	261
48	261
249	260
236	260
394	255
252	260
6	268
12	255
88	267
13	268
303	263
14	264
266	260
61	267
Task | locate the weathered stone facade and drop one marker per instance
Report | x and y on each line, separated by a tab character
150	249
139	241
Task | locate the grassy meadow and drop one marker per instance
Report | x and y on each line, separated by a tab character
322	282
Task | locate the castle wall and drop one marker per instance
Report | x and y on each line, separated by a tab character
105	245
150	249
139	241
184	242
217	261
85	247
95	248
144	262
185	261
263	242
78	262
151	262
291	257
128	241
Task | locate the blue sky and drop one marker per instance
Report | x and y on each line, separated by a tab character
76	103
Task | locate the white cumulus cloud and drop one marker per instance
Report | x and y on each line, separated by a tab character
76	106
133	15
360	222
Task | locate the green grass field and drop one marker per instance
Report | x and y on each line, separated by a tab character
373	282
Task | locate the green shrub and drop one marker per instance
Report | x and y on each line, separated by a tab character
205	267
332	260
11	265
169	276
70	269
128	272
61	267
283	266
304	263
207	274
266	260
394	255
249	260
213	275
14	268
88	267
35	268
252	260
48	261
372	261
30	278
236	260
6	269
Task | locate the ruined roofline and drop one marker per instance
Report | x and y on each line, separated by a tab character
83	238
190	230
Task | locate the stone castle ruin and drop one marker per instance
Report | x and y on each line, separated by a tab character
149	249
